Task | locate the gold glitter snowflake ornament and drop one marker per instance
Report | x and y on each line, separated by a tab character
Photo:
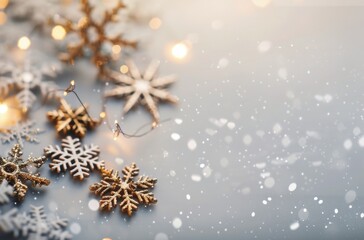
113	188
68	120
145	88
13	169
93	38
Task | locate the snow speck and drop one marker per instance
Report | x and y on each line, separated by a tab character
336	211
178	121
191	144
320	201
247	140
356	131
277	128
161	236
230	125
264	46
361	215
294	226
282	73
172	173
75	228
303	214
188	197
361	141
93	204
177	223
223	63
350	196
196	177
286	141
175	136
119	161
269	182
348	144
253	214
292	187
207	172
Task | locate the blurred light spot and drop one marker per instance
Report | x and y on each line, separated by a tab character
24	43
264	46
82	22
124	69
292	187
261	3
102	114
3	108
75	228
269	182
350	196
116	49
175	136
58	32
3	3
161	236
191	144
180	50
93	204
155	23
2	17
177	223
294	226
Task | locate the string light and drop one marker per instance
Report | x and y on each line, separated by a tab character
24	43
180	50
3	108
58	32
70	88
116	49
4	4
155	23
124	69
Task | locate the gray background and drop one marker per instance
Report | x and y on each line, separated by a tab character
267	93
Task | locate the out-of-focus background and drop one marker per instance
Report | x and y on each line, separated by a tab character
266	142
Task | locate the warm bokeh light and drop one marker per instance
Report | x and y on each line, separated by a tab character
2	17
155	23
3	3
3	108
102	114
82	22
180	50
116	49
58	32
261	3
124	69
70	88
24	43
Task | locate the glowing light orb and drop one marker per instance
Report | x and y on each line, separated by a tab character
180	50
3	108
58	32
24	43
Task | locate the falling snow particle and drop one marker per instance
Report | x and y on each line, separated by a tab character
350	196
253	214
178	121
177	223
188	197
175	136
172	173
247	140
277	128
207	172
75	228
269	182
361	141
292	187
196	178
264	46
93	204
191	144
294	226
348	144
119	161
361	215
231	125
161	236
303	214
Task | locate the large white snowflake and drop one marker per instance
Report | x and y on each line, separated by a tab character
23	130
34	226
79	159
146	88
27	78
6	190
